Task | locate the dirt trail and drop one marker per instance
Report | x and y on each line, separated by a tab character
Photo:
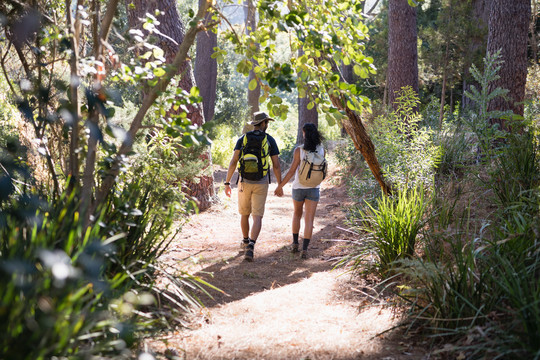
279	306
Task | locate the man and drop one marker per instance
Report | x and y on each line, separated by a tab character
252	193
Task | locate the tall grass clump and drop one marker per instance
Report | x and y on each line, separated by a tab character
391	228
449	288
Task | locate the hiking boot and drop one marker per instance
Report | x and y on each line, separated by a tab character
294	248
244	244
249	251
304	254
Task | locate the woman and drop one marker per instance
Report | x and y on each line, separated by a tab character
303	196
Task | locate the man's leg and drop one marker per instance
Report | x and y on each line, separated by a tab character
258	200
244	208
244	224
256	228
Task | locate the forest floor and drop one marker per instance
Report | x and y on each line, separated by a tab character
280	306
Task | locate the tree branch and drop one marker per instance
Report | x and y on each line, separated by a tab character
148	101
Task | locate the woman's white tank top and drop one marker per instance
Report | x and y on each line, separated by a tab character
296	184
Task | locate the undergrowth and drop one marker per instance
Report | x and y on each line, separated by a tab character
469	271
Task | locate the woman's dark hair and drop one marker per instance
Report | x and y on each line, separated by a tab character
312	137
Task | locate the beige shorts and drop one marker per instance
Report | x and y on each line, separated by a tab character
252	198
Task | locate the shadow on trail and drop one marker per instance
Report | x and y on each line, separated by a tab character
274	265
239	279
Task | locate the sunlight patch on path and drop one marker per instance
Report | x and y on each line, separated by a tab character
289	323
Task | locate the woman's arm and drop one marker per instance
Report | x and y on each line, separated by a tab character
292	169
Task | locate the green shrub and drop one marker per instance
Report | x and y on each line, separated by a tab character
223	142
516	167
72	290
405	151
53	294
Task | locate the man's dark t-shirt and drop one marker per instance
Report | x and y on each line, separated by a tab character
273	150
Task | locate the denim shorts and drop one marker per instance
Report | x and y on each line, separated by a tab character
312	194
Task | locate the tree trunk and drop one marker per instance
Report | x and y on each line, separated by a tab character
251	25
534	35
206	69
443	91
477	44
305	115
173	28
402	48
508	31
362	142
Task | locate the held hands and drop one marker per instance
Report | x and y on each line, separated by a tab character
279	191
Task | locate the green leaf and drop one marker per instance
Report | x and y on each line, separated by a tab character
159	72
158	53
194	91
330	120
253	84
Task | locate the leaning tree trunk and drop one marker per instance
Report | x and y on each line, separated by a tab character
362	142
173	28
508	32
402	48
206	69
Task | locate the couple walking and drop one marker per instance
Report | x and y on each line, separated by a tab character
252	193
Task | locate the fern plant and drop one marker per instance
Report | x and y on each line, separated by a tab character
479	120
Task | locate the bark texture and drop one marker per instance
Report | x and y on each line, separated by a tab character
402	48
251	25
477	45
362	142
508	31
206	69
305	116
173	28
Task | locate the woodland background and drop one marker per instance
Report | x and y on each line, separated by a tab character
113	115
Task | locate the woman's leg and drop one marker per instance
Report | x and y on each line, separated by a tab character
309	217
297	216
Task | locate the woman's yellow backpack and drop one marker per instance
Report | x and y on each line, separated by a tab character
313	168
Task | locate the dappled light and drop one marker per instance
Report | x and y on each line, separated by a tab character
137	138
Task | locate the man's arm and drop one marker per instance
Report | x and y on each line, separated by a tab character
230	172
